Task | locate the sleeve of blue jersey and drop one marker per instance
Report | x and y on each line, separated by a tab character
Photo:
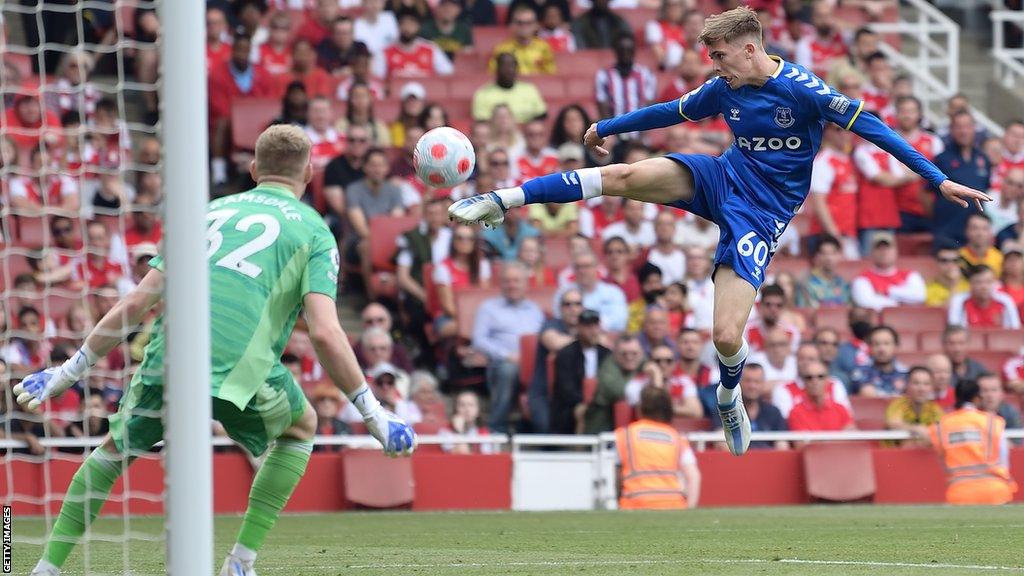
647	118
872	129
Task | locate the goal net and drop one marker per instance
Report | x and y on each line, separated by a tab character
83	211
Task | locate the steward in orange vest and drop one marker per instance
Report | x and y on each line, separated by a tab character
655	460
973	450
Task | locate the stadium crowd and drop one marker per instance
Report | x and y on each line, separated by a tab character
882	295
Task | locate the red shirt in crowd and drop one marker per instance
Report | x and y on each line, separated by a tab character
876	204
327	145
133	236
27	136
217	55
534	167
312	30
908	196
97	276
818	54
422	59
834	175
275	62
316	80
223	89
51	194
1010	161
809	417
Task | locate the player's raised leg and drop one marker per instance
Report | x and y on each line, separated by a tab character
88	491
658	180
275	481
734	297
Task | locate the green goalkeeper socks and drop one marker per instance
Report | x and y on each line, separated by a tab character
93	482
273	486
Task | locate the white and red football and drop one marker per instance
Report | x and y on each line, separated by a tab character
443	158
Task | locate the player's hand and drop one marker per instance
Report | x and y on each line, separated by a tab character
594	142
397	437
963	195
38	387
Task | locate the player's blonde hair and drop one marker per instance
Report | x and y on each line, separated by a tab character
282	150
731	25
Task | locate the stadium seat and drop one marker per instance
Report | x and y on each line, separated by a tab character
32	231
931	341
1004	340
839	471
437	88
466	302
683	424
919	358
485	38
556	252
249	116
918	244
915	318
926	266
866	409
386	230
993	360
527	358
849	269
589	389
832	317
549	86
583	62
909	342
623	413
795	266
466	86
373	480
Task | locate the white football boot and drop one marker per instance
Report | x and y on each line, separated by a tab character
485	209
234	566
736	425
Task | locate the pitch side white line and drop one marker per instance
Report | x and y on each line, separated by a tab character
566	563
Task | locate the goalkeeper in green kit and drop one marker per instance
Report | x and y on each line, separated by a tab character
270	256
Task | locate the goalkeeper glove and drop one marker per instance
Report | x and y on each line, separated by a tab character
397	437
40	386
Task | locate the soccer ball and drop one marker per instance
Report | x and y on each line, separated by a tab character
443	158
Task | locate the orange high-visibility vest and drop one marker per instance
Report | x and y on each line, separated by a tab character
650	453
968	442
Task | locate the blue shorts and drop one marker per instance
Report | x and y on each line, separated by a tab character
749	235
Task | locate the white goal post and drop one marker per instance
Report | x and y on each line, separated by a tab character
188	453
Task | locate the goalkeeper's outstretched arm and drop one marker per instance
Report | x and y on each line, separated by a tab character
339	361
107	334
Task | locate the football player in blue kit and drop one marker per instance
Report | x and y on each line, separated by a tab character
776	111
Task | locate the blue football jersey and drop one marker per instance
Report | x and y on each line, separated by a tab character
777	129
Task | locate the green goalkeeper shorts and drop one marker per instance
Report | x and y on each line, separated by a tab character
277	405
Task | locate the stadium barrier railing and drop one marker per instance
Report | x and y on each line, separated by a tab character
1009	61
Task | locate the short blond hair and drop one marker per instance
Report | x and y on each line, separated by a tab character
731	25
282	150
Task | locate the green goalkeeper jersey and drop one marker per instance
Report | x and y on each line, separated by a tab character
266	251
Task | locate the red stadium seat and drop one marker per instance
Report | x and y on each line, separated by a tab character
927	266
589	389
527	358
556	252
869	408
583	62
20	62
993	360
683	424
437	87
839	471
485	38
915	318
12	263
798	267
249	116
918	244
623	413
465	86
909	342
373	480
549	86
849	269
32	231
466	302
932	341
832	317
1004	340
386	230
919	358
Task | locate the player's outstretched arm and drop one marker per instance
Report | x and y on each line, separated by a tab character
108	333
339	361
647	118
869	127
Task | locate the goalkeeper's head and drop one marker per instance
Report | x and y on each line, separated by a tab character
282	155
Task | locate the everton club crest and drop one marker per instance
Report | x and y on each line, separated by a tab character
784	117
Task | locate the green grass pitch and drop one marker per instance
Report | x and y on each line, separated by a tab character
816	540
